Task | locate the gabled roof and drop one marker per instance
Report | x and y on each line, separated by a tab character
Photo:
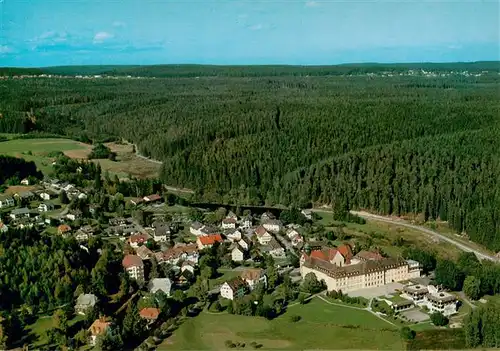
230	220
210	239
63	228
149	313
252	274
152	197
139	238
163	284
260	231
143	252
131	261
345	250
364	255
99	326
196	225
236	283
22	210
177	251
86	299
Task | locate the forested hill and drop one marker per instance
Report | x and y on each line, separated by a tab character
169	71
400	144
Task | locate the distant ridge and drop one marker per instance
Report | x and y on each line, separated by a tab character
195	70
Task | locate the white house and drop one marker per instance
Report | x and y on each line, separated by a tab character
307	214
263	235
246	222
25	181
228	223
233	234
162	232
187	266
45	195
443	302
237	254
74	215
134	267
254	276
272	225
44	207
195	228
233	288
20	213
7	202
244	242
274	249
160	284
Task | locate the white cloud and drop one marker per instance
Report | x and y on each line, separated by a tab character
312	3
4	49
256	27
51	37
102	36
118	24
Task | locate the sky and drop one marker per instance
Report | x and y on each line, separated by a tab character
35	33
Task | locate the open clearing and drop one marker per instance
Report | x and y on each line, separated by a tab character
322	326
37	150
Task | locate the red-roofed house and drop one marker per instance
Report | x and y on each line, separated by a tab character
138	239
340	256
99	327
208	241
134	266
150	314
63	229
263	235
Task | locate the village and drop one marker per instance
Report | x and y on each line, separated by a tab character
171	253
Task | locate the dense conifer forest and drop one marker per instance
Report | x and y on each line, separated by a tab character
294	136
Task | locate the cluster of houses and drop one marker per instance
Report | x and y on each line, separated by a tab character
243	235
46	191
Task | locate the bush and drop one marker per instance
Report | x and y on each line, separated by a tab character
407	334
438	319
229	344
294	318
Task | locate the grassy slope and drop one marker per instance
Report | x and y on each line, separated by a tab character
389	232
39	149
322	327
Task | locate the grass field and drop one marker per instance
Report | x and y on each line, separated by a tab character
39	329
322	326
37	150
383	235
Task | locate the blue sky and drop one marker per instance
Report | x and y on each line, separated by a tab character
71	32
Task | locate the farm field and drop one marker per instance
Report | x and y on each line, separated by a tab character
383	234
322	326
38	150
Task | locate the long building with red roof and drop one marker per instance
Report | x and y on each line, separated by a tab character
340	270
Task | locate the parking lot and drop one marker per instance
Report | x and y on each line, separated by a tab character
415	315
380	291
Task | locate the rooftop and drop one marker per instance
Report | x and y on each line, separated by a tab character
210	239
131	261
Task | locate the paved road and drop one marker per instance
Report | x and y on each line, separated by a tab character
403	223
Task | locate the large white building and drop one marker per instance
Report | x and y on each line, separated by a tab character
432	298
341	271
134	267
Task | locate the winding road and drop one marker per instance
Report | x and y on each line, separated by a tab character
403	223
